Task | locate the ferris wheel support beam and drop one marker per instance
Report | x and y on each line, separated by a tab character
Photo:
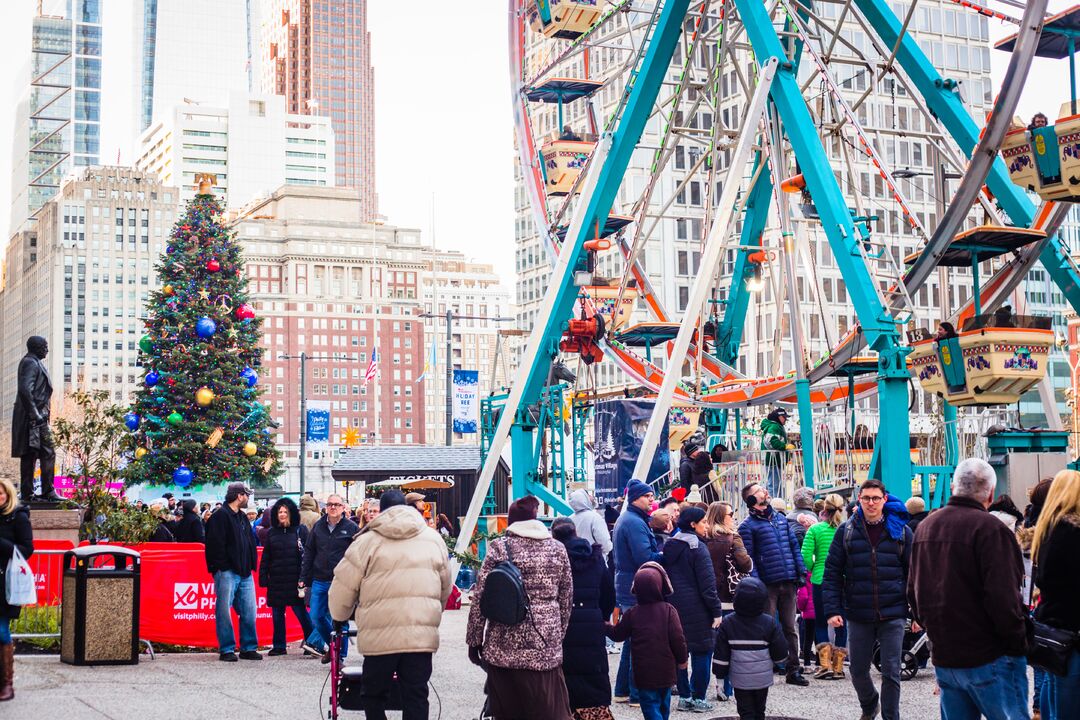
892	455
710	257
603	178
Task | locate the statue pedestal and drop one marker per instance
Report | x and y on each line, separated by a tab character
51	524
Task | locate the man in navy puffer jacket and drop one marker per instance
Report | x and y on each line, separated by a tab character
772	545
865	587
635	545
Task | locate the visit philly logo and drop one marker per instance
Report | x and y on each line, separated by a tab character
192	596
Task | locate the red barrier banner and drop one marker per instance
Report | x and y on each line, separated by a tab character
177	602
47	565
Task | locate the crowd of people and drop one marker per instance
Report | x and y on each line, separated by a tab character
823	583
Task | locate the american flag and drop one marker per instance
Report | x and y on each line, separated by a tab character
372	368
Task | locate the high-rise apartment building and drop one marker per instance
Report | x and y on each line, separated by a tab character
317	55
957	41
451	282
251	144
81	279
191	51
58	117
336	289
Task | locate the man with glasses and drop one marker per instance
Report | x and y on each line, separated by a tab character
231	558
772	545
865	588
327	542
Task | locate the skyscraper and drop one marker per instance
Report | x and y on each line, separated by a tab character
58	118
317	53
193	51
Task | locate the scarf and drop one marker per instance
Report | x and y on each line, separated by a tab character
896	516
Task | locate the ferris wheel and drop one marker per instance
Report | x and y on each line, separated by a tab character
754	123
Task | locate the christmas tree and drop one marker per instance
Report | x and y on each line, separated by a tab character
197	417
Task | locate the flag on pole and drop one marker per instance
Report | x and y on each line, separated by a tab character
372	368
429	364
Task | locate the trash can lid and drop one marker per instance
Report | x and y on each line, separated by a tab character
94	550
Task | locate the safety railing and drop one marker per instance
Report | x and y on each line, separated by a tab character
42	620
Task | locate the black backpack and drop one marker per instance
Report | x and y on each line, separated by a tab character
504	599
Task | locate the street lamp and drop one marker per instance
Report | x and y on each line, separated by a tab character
304	357
450	316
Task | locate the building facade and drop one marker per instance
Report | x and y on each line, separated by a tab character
337	290
197	51
251	144
317	55
471	292
58	117
81	280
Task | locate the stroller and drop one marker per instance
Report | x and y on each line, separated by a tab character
915	652
346	683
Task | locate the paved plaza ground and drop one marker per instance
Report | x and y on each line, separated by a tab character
197	687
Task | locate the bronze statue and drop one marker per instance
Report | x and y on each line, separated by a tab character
31	440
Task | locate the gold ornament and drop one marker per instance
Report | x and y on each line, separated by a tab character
204	396
168	290
215	437
140	452
250	449
268	464
204	294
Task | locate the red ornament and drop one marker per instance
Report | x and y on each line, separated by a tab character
212	265
170	381
185	228
245	312
225	474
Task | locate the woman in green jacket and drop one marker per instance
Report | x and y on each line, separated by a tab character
814	550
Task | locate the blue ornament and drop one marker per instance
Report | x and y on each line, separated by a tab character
131	420
151	378
205	327
182	476
250	376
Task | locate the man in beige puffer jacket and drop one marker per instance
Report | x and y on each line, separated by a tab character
396	577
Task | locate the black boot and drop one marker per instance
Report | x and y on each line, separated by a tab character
795	677
49	497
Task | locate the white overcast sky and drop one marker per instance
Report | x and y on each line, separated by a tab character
444	134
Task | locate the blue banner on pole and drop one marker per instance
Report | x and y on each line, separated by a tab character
318	422
619	429
466	386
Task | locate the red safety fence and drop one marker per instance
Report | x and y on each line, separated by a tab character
177	602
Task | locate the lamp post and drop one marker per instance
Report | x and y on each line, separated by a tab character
450	316
304	357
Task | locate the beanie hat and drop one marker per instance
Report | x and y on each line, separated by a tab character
635	489
688	516
523	509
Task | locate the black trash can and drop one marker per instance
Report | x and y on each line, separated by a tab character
99	617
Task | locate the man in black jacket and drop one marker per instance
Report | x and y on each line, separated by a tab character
330	537
31	440
231	558
964	586
864	587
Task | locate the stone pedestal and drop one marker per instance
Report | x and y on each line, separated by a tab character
49	524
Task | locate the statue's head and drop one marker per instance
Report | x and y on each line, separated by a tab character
38	346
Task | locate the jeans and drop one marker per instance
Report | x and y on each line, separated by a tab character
236	593
320	617
278	613
655	703
1040	680
694	681
821	627
782	601
624	676
1061	695
5	631
997	690
774	473
413	672
751	703
889	635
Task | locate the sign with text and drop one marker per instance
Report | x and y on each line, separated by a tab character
318	422
466	386
619	428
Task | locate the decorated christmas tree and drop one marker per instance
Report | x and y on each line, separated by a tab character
197	417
